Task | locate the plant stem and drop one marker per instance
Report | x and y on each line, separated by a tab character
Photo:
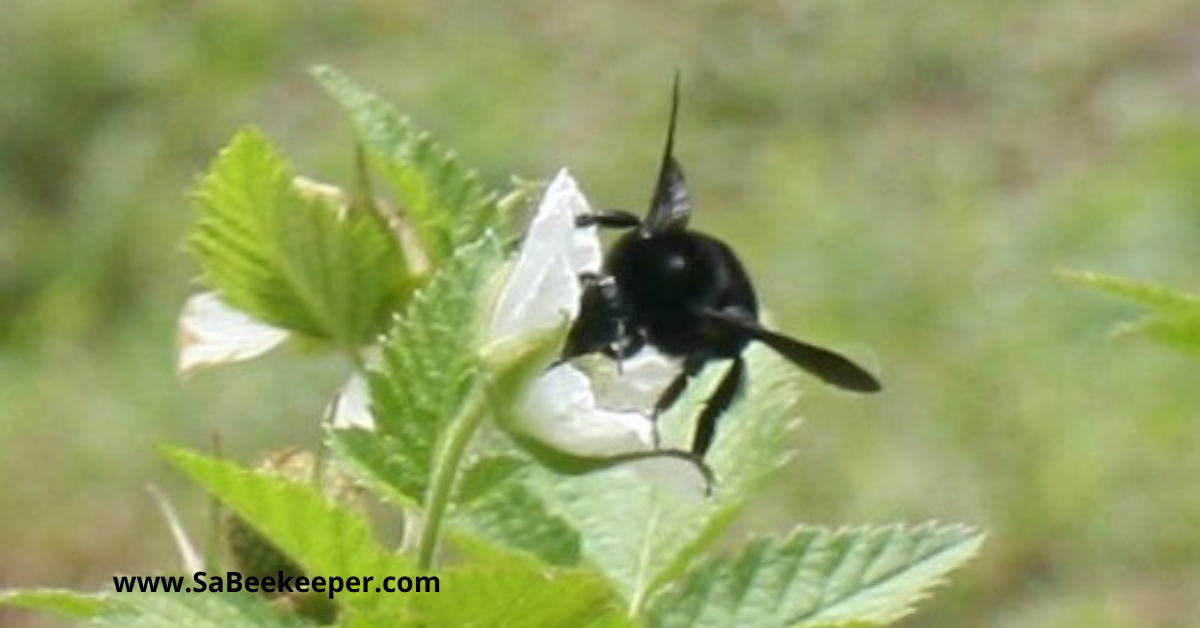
445	471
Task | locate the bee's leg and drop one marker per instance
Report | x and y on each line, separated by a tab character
717	404
609	219
671	394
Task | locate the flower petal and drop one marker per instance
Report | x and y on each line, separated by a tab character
543	288
635	383
559	409
210	332
351	405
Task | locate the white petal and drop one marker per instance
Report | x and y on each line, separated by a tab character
635	384
351	405
586	255
543	289
210	333
559	409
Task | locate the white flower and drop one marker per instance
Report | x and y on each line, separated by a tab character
541	294
601	412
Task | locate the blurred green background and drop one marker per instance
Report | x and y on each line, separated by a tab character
902	176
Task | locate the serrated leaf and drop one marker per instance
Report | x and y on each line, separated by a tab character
518	592
444	200
817	577
376	458
427	367
61	602
642	537
495	503
1175	320
484	474
324	538
187	610
293	260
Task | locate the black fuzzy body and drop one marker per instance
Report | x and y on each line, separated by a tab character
667	281
687	295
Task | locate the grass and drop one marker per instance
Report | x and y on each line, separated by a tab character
903	179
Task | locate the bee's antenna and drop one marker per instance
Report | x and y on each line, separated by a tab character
669	150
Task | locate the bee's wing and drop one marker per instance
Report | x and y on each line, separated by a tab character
672	205
831	367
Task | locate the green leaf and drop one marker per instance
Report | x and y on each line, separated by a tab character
1175	321
485	474
496	504
443	199
1178	332
295	260
324	538
513	591
188	610
818	577
642	537
379	460
428	366
61	602
1155	297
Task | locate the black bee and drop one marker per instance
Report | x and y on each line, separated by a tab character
686	294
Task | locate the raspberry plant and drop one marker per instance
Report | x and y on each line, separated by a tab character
523	529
